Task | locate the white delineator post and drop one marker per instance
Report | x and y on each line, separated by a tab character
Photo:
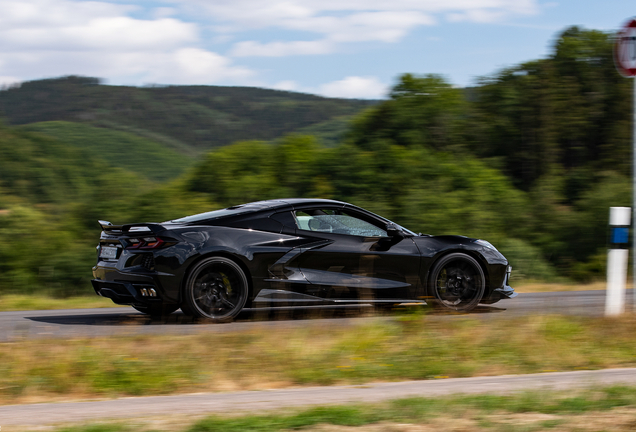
634	188
634	180
617	257
625	61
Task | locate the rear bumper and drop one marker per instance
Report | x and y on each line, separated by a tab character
126	287
126	293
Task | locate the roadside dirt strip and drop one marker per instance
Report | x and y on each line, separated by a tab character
250	401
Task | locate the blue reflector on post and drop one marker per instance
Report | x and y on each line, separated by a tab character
619	235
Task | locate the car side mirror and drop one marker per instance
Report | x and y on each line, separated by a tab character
392	230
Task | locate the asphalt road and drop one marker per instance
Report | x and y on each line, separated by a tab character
250	401
127	321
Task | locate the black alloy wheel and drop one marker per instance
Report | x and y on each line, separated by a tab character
216	290
157	310
458	282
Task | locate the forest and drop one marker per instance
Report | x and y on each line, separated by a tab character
530	158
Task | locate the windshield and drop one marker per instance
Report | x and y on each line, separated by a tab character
406	230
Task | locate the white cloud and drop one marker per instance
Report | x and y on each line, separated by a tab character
279	49
75	25
289	13
334	22
163	12
43	38
359	27
287	85
107	38
194	65
355	87
478	15
180	66
38	12
8	81
387	26
352	87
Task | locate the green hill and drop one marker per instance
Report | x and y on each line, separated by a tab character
329	133
186	118
39	169
120	149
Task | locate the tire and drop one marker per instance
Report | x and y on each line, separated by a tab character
458	283
157	310
216	290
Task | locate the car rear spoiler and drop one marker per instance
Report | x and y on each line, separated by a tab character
109	228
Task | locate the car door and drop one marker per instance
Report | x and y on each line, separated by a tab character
353	258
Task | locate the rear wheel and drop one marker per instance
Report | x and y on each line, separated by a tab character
216	289
157	310
458	282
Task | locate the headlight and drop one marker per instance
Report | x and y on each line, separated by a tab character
484	243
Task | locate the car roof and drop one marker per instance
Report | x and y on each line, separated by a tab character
256	207
285	202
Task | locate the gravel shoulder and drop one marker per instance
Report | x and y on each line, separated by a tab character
250	401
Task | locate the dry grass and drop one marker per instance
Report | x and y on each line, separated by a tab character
16	302
411	347
530	287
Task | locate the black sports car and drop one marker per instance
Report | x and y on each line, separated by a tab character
291	251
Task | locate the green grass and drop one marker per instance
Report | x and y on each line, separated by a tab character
125	150
408	347
17	302
419	410
481	412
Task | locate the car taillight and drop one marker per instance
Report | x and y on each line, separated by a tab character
145	243
151	243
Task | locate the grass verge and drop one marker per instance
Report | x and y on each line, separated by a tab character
611	408
16	302
530	287
322	353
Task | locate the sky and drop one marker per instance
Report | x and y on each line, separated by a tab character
334	48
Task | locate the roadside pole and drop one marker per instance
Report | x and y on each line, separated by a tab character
617	260
625	61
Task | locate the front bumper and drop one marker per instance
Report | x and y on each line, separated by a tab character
497	294
505	292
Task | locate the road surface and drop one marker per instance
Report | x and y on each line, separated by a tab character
127	321
250	401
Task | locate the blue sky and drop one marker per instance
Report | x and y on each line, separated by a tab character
340	48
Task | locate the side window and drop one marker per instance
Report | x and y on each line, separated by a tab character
337	222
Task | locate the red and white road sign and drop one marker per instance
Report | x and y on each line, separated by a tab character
625	50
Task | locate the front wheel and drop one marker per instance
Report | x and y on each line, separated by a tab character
458	282
216	289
